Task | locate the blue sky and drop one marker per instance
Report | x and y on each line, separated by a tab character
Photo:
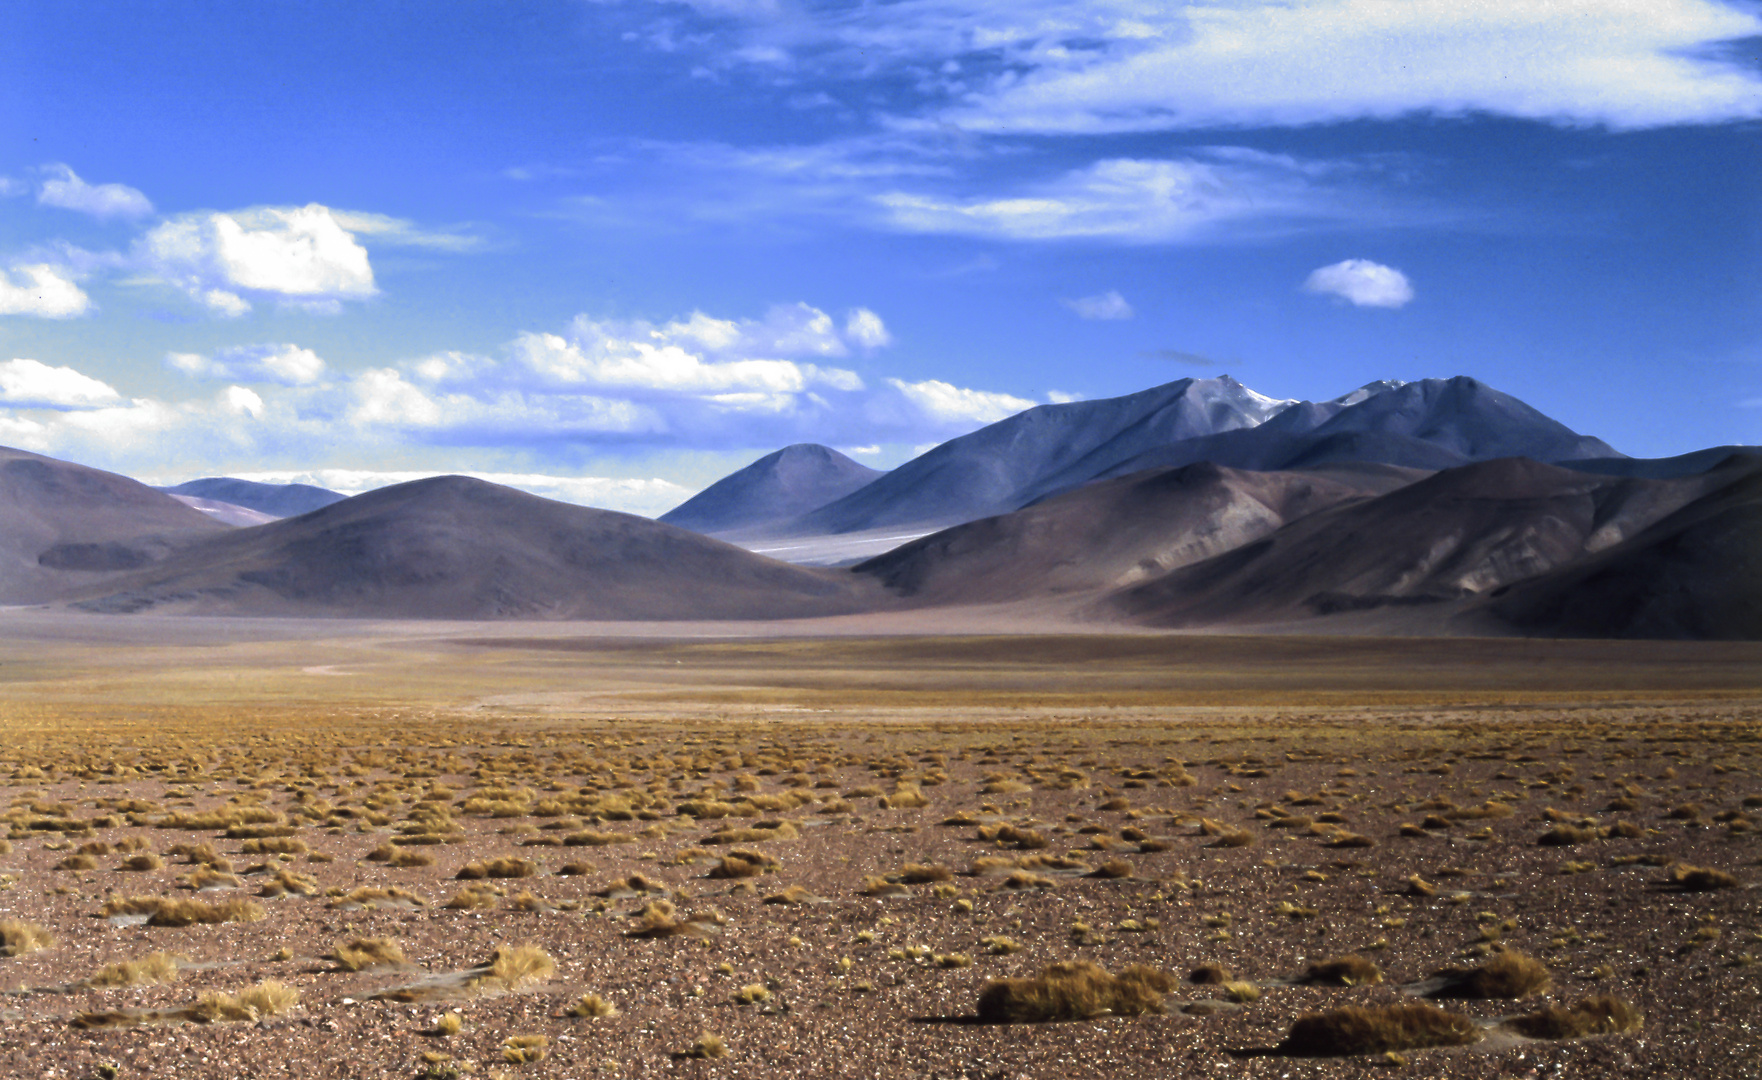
609	251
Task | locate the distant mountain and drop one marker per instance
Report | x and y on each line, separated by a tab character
457	548
64	526
1000	467
226	513
1430	424
276	500
1690	464
1116	533
780	485
1696	573
1459	534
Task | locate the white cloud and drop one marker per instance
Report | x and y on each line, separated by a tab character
742	362
1107	305
945	403
1622	63
287	364
242	402
1135	201
865	329
1361	283
30	384
297	255
66	190
46	291
385	229
1050	66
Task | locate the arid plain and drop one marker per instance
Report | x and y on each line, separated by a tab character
351	849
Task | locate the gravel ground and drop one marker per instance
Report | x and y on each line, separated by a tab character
859	986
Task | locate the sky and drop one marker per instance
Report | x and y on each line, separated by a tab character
610	250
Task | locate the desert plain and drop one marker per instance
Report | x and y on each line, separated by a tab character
351	849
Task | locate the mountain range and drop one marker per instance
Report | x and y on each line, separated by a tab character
1432	507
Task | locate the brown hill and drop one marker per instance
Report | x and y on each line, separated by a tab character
65	526
1116	533
1695	574
457	548
1459	534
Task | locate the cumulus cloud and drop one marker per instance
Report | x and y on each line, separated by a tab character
1361	283
39	289
297	255
865	329
242	402
747	361
1107	305
286	364
63	188
31	384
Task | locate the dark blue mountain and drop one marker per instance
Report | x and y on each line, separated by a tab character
780	485
278	500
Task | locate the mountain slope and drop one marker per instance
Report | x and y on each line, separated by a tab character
780	485
1696	574
1455	535
457	548
276	500
995	469
1115	533
63	525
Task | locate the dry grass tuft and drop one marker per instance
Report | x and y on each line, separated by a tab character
1701	879
1509	974
511	967
1341	971
18	937
592	1007
468	898
1602	1015
660	919
924	873
1211	973
289	883
706	1046
525	1049
268	998
1378	1029
743	864
152	969
1073	990
360	954
497	868
165	911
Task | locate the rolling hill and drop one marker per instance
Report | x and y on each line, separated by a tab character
457	548
64	526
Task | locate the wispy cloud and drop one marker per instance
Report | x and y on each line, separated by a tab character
1143	201
1109	305
63	188
1045	66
